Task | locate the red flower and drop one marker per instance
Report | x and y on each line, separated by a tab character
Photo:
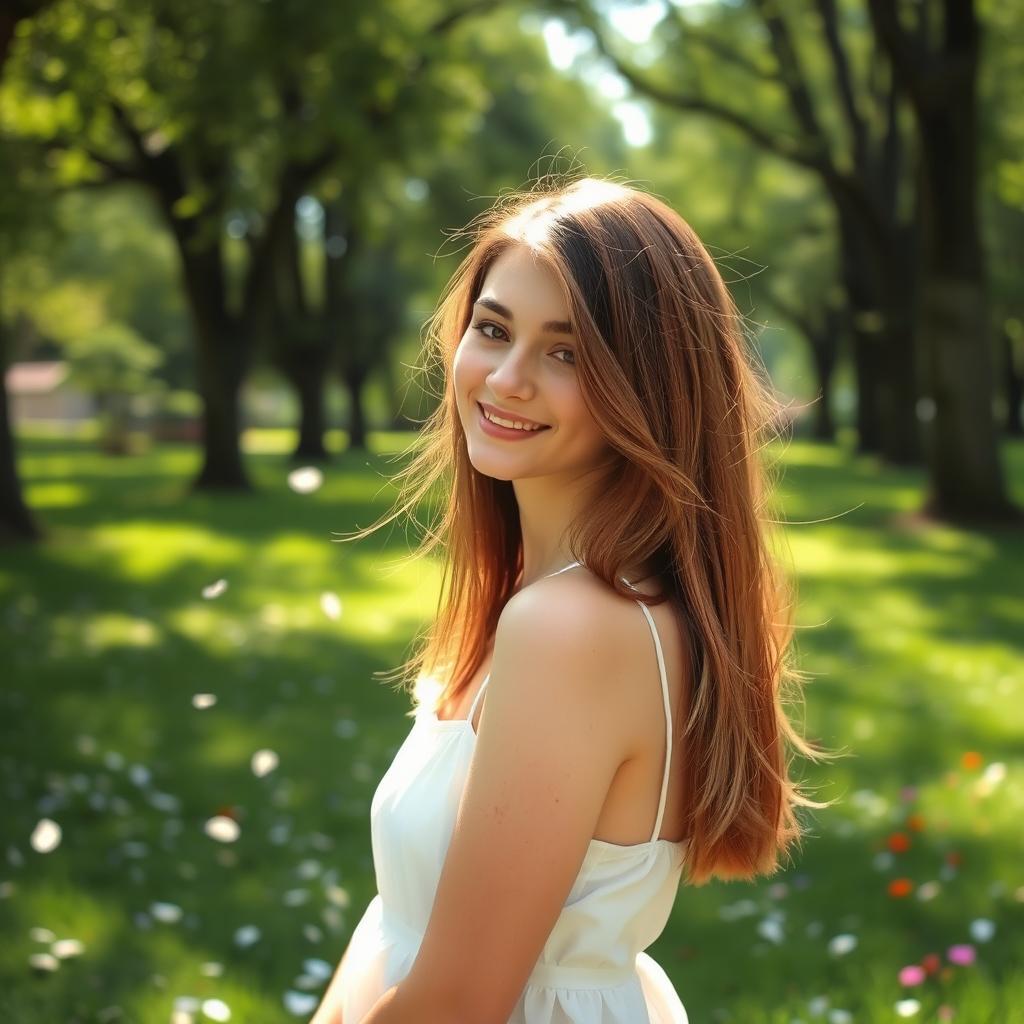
899	887
899	842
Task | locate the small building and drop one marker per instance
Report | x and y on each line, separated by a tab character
42	391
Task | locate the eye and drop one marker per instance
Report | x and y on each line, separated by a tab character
483	324
480	327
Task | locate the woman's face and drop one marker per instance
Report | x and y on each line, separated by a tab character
517	359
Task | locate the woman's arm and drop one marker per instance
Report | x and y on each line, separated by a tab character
329	1010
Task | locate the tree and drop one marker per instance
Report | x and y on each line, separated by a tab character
936	62
221	110
16	522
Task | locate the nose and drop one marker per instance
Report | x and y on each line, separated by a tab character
512	376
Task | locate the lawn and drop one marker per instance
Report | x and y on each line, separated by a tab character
193	730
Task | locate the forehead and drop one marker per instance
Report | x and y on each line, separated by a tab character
519	279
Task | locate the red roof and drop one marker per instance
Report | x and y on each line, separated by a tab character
35	378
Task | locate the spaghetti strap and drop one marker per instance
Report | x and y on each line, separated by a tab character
476	699
668	714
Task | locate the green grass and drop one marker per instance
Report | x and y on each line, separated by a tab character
913	636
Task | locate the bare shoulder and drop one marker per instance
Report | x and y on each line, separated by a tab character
570	641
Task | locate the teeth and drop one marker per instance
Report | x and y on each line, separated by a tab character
514	424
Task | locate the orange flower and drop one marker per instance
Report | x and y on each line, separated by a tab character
931	963
954	858
971	761
915	822
899	842
900	887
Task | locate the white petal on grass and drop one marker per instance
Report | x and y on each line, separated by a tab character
41	935
908	1008
186	1004
311	933
818	1005
216	1009
139	774
928	891
771	929
838	1016
337	895
295	897
43	962
168	913
734	911
64	948
222	828
280	833
840	945
305	479
264	762
309	868
330	604
202	701
982	929
211	969
345	728
246	936
300	1003
319	969
46	836
215	589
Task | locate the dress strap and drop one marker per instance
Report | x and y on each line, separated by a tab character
476	699
668	713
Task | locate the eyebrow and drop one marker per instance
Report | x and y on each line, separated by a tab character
552	326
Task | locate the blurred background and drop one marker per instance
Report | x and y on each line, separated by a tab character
222	226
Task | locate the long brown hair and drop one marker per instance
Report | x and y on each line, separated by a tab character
665	370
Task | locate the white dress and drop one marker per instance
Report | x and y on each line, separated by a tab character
592	969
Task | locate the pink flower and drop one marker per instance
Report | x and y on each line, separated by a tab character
912	975
962	954
945	1012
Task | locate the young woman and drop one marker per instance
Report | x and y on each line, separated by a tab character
608	661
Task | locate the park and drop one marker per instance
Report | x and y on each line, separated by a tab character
222	228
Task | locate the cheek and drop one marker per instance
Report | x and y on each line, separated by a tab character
468	366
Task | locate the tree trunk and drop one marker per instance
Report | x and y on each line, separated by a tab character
824	427
221	372
898	392
308	377
1013	364
354	377
222	349
16	522
961	437
961	441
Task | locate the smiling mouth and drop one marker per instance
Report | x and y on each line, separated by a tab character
508	423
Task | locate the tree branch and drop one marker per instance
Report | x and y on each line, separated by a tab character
793	77
717	47
844	81
767	140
